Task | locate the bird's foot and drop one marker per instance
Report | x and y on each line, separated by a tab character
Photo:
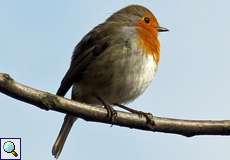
149	117
112	114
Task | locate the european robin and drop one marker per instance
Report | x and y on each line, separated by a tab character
113	64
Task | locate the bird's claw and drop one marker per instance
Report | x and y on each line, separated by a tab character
112	114
149	118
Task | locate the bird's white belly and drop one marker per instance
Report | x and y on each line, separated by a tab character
118	81
134	80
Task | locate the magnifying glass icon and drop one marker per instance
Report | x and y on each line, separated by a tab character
9	147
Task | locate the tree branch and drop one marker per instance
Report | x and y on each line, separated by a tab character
48	101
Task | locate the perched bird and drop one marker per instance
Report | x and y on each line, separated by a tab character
113	64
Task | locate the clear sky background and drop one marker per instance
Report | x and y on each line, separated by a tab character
36	42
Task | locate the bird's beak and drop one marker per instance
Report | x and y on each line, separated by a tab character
162	29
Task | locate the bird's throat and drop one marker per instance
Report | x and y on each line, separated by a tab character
149	42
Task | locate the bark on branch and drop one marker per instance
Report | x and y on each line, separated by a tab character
48	101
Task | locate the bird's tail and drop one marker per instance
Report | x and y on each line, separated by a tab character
65	129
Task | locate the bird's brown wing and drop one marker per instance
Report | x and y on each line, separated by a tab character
93	44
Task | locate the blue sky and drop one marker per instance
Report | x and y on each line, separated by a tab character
37	40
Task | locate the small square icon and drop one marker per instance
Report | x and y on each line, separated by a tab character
10	148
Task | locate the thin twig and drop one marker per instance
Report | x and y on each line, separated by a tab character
48	101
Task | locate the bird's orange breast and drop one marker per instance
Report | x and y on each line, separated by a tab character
148	40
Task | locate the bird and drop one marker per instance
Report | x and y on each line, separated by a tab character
113	64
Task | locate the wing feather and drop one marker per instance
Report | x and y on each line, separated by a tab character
92	45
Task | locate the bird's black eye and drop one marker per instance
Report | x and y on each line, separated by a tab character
147	19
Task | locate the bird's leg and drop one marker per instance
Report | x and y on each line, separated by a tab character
148	116
111	112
